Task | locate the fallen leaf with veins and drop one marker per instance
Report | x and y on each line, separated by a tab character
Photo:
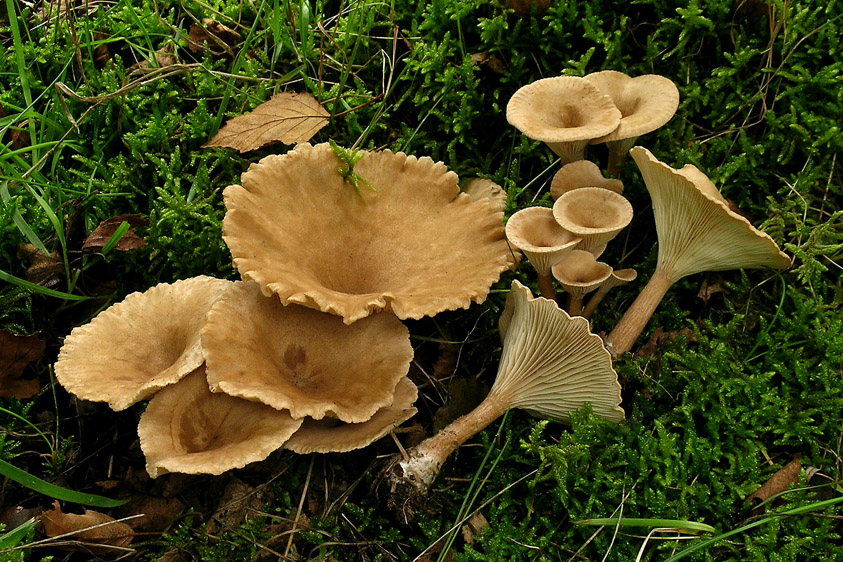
106	229
92	532
16	352
777	483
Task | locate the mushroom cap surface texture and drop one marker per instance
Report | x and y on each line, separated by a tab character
415	245
139	345
330	435
535	232
187	428
582	173
478	188
302	360
696	229
645	102
579	272
551	363
595	214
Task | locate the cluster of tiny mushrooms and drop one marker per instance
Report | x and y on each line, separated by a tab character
308	352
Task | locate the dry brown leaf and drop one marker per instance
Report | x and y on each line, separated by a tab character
476	523
214	33
16	352
165	56
712	285
106	229
158	514
43	270
94	531
661	338
287	117
778	482
447	361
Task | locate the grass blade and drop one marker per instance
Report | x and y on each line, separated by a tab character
16	535
684	525
56	492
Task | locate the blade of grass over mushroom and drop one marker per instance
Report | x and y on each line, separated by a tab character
57	492
681	524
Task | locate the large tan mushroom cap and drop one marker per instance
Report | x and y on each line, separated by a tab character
137	346
565	112
697	230
579	273
415	246
594	214
535	232
302	360
330	435
551	363
478	188
187	428
583	173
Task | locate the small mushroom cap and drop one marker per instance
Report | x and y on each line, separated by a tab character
415	245
595	214
582	173
330	435
478	188
187	428
302	360
697	231
551	363
646	102
137	346
621	277
535	232
565	112
579	273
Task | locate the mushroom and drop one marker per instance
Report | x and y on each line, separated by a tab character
414	245
330	435
478	188
551	365
580	273
697	232
535	232
582	173
137	346
616	279
646	103
565	113
302	360
187	428
594	214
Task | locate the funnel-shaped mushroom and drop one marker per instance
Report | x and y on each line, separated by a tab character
302	360
645	102
187	428
478	188
579	273
551	365
330	435
594	214
535	232
616	279
565	113
583	173
415	245
137	346
697	232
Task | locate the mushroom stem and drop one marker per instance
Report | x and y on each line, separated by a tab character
635	318
546	286
575	306
595	300
617	152
427	458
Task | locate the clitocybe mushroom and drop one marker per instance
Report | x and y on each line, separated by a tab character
697	232
582	173
646	103
565	113
137	346
616	279
551	365
594	214
580	273
414	245
478	188
535	232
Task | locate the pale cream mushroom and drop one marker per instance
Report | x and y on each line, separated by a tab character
580	273
189	429
302	360
565	113
583	173
616	279
646	103
535	232
697	232
415	245
594	214
551	365
139	345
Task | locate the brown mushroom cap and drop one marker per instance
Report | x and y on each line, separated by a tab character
551	363
137	346
579	273
415	245
583	173
302	360
535	232
565	112
187	428
478	188
330	435
595	214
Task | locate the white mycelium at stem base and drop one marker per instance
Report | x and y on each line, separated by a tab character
551	365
